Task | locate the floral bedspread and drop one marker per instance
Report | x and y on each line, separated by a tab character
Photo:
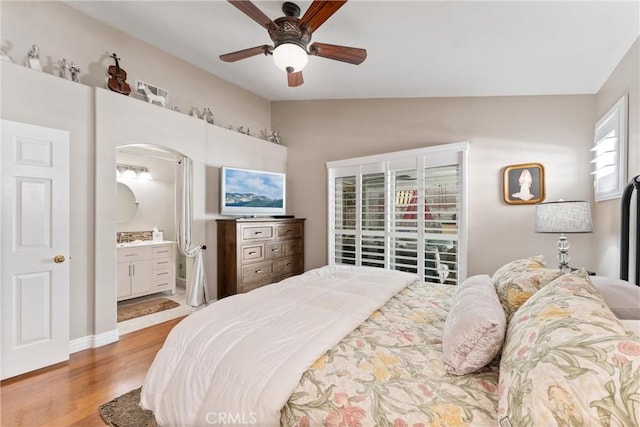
389	372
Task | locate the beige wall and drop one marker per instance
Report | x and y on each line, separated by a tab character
63	32
625	79
556	131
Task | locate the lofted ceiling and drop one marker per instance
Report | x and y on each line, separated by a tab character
415	48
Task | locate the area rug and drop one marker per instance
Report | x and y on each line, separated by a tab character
132	311
125	411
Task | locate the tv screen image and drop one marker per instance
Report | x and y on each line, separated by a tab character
246	192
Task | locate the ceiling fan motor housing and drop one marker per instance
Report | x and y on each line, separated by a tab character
288	31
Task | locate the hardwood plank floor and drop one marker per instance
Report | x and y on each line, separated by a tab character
68	394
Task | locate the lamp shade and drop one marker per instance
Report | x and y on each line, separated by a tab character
289	55
563	217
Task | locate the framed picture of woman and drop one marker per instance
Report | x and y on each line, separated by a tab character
523	184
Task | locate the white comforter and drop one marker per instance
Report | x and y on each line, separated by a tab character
238	361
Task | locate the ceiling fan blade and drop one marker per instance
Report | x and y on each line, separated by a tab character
319	12
252	11
246	53
295	79
352	55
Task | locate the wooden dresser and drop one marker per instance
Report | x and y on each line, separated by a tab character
255	252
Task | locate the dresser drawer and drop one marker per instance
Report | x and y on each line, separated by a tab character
157	263
273	250
289	230
257	272
252	253
292	247
162	251
162	284
133	254
253	233
162	273
289	266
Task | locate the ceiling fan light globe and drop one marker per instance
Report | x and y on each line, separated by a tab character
289	55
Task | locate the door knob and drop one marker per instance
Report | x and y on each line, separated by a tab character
58	259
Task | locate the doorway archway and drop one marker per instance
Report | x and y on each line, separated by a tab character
145	202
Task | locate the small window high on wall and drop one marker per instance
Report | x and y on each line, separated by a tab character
401	211
609	153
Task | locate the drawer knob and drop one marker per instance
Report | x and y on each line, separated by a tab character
257	232
258	271
252	253
274	250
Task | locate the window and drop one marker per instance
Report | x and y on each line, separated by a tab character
402	211
609	152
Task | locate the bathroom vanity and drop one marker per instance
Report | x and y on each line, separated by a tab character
144	268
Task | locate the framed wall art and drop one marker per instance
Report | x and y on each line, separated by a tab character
523	184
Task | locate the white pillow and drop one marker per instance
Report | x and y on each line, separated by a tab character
623	298
474	330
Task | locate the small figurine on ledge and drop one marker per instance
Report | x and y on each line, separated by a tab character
207	115
75	72
33	58
270	135
150	96
274	137
64	69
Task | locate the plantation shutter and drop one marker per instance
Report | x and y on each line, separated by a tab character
401	211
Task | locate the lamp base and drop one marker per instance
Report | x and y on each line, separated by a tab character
563	255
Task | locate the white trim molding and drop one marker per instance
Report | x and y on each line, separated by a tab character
93	341
610	153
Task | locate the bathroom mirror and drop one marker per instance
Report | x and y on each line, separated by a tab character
126	204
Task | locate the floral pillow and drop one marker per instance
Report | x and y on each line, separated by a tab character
474	330
518	265
518	286
567	361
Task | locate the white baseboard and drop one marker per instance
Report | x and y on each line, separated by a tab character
93	341
79	344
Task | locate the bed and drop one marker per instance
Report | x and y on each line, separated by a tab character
362	346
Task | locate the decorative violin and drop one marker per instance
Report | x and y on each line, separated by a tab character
117	78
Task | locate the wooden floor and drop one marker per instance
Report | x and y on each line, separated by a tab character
68	394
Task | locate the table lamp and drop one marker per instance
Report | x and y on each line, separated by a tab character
563	217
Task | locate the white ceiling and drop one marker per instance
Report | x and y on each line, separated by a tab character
415	48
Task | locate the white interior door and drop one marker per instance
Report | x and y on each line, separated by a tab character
34	163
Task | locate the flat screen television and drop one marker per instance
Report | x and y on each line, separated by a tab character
246	192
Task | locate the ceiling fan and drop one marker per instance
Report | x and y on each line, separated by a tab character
291	36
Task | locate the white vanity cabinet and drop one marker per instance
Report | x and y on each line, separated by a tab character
145	269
